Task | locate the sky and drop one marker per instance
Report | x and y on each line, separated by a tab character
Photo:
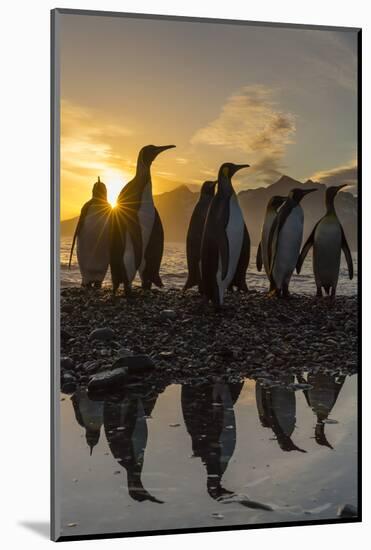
280	99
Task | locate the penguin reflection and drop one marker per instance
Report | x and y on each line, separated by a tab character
277	410
210	421
89	414
321	398
126	431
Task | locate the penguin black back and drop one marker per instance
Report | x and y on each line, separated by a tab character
194	234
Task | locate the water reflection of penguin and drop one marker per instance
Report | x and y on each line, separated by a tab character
277	410
321	398
126	431
89	414
209	417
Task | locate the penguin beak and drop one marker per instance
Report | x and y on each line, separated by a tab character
162	148
307	191
341	187
237	167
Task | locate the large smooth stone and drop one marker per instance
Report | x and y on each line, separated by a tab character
135	364
108	379
103	334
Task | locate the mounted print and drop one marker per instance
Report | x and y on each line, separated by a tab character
205	336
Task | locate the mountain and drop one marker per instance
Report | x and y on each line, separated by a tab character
254	201
175	208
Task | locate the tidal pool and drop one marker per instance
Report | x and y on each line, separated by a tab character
208	455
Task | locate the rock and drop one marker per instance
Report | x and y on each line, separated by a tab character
104	334
168	314
66	363
216	515
108	379
347	511
135	364
166	354
123	352
90	367
68	383
65	336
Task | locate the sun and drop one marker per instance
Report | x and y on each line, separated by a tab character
114	180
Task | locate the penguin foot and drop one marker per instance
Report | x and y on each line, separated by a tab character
275	293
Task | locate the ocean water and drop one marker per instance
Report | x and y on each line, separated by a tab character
207	455
174	271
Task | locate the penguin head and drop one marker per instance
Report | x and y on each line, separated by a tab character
208	188
148	153
92	438
99	190
228	169
332	191
298	194
276	201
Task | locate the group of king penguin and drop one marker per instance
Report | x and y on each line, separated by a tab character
130	237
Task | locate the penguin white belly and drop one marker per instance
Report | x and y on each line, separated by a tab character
235	233
288	247
269	219
146	216
327	252
93	245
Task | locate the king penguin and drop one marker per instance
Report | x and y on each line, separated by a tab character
284	242
194	235
93	234
262	257
225	248
328	240
138	235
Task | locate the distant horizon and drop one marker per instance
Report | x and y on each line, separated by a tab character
190	187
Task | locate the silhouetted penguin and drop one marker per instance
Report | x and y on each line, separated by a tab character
93	234
138	236
328	240
277	410
225	248
321	398
284	241
194	235
262	257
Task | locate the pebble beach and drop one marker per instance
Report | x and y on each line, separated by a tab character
185	341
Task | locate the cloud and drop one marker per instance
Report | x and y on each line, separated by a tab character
87	142
346	174
251	122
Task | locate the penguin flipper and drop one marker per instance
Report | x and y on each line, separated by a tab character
272	245
347	254
259	258
304	251
239	279
153	254
83	214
